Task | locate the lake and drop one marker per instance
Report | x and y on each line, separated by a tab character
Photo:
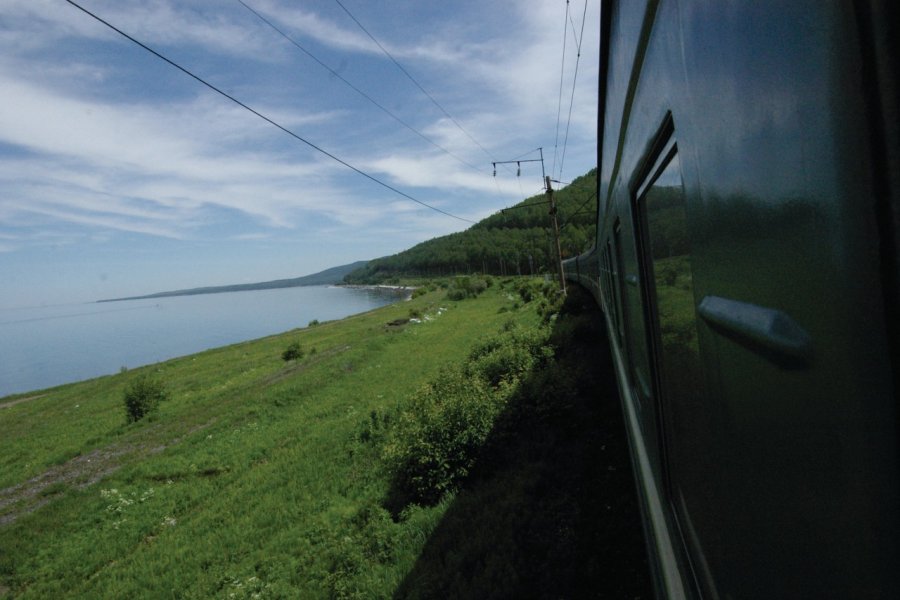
45	346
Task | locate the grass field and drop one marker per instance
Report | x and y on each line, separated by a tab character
253	479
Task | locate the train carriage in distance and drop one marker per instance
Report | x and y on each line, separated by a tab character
747	265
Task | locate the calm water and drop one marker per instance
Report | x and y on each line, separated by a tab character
47	346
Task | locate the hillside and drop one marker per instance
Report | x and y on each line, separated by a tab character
326	277
516	241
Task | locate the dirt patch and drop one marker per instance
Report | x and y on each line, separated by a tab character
20	401
78	473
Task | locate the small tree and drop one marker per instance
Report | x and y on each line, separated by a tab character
293	352
142	397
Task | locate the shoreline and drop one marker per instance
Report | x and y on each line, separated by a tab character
393	288
17	387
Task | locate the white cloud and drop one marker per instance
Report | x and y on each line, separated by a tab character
97	140
104	158
34	24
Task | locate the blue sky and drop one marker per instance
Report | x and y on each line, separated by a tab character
120	175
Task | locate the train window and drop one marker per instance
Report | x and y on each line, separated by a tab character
668	284
663	209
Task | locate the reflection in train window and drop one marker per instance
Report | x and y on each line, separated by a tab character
679	381
663	203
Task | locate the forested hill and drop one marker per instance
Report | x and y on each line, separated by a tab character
514	241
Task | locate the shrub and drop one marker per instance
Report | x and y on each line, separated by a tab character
456	294
313	323
466	287
293	352
509	355
436	440
506	363
420	291
143	397
527	291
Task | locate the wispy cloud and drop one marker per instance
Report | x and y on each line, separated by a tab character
101	142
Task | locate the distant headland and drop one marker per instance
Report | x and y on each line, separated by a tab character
327	277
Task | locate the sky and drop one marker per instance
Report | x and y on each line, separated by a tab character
121	175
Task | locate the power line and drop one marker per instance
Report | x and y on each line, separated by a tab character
356	89
411	78
562	160
259	114
562	70
575	35
578	210
529	152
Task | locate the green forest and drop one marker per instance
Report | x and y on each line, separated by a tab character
515	241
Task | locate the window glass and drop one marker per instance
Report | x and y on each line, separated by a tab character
689	432
673	281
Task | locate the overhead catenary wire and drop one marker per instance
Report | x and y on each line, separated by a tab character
562	71
527	153
574	82
260	115
575	35
355	88
577	186
412	79
577	211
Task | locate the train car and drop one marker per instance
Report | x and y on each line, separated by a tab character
747	265
584	270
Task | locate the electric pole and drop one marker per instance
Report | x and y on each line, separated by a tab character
550	201
562	274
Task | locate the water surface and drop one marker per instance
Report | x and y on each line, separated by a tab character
51	345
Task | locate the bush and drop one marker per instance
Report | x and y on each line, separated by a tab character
466	287
293	352
509	355
436	441
313	323
143	397
506	363
420	291
527	290
433	443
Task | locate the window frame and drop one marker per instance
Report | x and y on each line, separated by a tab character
661	154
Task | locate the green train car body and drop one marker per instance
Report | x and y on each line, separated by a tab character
746	262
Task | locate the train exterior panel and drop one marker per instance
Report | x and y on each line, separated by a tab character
746	264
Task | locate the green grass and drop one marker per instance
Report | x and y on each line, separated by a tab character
251	479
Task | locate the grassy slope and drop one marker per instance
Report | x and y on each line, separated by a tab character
248	481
